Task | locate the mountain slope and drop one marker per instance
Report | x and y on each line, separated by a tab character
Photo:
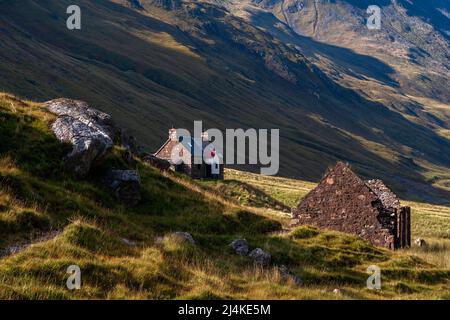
171	62
414	38
412	44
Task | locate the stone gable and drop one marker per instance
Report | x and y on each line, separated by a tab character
344	202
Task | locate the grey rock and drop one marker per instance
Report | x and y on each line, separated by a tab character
260	257
240	246
125	184
81	111
89	131
184	236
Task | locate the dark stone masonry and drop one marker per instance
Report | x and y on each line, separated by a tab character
344	202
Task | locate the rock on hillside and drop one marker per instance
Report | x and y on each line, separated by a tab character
125	184
90	132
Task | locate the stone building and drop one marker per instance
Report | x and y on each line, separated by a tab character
178	150
344	202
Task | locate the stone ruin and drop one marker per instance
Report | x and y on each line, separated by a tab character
344	202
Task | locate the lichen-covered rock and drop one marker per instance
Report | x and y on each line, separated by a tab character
260	257
125	184
89	131
81	111
240	246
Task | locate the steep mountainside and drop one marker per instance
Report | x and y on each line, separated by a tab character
412	45
413	39
154	64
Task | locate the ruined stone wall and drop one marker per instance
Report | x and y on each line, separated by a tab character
343	202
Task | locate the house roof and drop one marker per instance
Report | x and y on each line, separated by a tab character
188	143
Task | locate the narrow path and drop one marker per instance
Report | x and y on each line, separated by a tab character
18	247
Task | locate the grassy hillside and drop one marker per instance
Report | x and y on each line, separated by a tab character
170	67
430	222
130	253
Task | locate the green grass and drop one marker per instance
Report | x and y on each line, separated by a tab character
130	252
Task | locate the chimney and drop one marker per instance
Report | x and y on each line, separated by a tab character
173	134
205	136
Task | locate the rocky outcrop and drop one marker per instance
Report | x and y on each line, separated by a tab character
90	132
240	246
125	184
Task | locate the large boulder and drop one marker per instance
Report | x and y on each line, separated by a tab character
125	184
81	111
90	132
